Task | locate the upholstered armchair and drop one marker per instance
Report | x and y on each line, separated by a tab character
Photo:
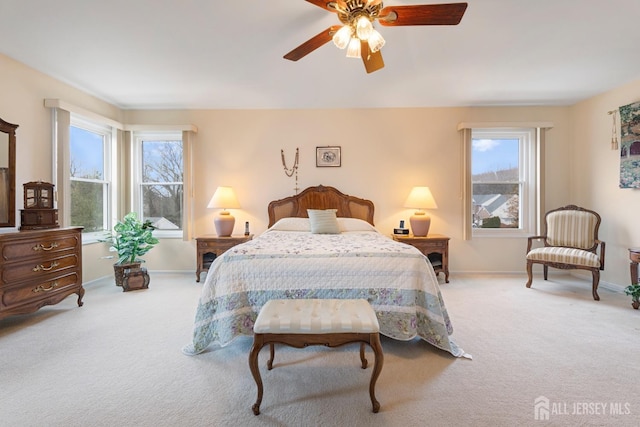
570	242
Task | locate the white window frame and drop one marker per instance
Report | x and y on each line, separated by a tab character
136	173
107	134
528	179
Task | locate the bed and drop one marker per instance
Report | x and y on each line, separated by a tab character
302	257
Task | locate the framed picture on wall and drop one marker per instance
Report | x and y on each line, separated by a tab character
328	157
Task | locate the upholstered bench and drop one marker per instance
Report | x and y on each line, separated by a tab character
303	322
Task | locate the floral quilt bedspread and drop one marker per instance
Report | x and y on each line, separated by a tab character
396	279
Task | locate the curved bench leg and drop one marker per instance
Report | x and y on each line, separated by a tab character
272	353
255	371
377	368
363	360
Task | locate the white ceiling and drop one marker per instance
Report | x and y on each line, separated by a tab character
194	54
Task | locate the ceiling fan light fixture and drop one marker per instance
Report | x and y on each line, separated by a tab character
364	28
353	51
342	37
376	41
356	32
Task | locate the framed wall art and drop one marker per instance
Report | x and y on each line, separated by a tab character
328	157
630	146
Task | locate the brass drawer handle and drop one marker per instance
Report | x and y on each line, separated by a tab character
41	267
41	288
41	247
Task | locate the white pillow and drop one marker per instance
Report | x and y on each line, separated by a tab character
354	224
292	224
323	221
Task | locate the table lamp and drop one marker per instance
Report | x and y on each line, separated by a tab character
420	198
224	198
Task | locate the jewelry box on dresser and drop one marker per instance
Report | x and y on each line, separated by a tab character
38	268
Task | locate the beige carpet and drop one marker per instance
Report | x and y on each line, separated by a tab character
117	361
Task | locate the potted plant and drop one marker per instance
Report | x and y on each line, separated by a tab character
634	292
131	239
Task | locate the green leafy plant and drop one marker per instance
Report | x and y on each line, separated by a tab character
633	291
132	239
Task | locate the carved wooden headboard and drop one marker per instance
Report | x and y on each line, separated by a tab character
321	197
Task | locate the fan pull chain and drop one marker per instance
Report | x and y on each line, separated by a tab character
294	169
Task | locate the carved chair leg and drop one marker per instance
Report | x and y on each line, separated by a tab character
377	368
255	370
546	271
529	273
362	358
596	282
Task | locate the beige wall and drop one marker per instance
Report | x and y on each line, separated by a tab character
596	178
384	153
22	102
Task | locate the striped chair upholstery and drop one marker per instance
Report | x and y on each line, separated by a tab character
570	242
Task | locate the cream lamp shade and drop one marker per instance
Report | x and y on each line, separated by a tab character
224	198
420	198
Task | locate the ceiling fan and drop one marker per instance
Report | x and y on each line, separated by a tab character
359	37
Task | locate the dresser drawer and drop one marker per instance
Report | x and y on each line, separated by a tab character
218	248
436	245
27	293
38	268
38	247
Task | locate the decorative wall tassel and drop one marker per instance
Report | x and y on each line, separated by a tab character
614	130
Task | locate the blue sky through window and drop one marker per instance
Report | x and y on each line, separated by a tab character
490	155
87	153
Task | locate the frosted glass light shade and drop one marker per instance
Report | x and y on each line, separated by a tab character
364	28
420	198
376	41
342	36
353	51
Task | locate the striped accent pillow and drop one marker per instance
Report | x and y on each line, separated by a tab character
571	228
323	221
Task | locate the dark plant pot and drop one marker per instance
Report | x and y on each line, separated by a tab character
118	269
635	304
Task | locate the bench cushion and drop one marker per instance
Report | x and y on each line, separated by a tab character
316	316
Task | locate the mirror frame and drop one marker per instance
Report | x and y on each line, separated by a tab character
10	129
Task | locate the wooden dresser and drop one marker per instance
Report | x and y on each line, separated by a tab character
38	268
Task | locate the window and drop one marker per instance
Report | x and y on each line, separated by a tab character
89	172
503	181
104	169
159	170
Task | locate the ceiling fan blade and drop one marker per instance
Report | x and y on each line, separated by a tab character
372	60
312	44
325	4
426	14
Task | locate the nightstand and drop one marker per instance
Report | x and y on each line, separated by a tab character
434	246
211	246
